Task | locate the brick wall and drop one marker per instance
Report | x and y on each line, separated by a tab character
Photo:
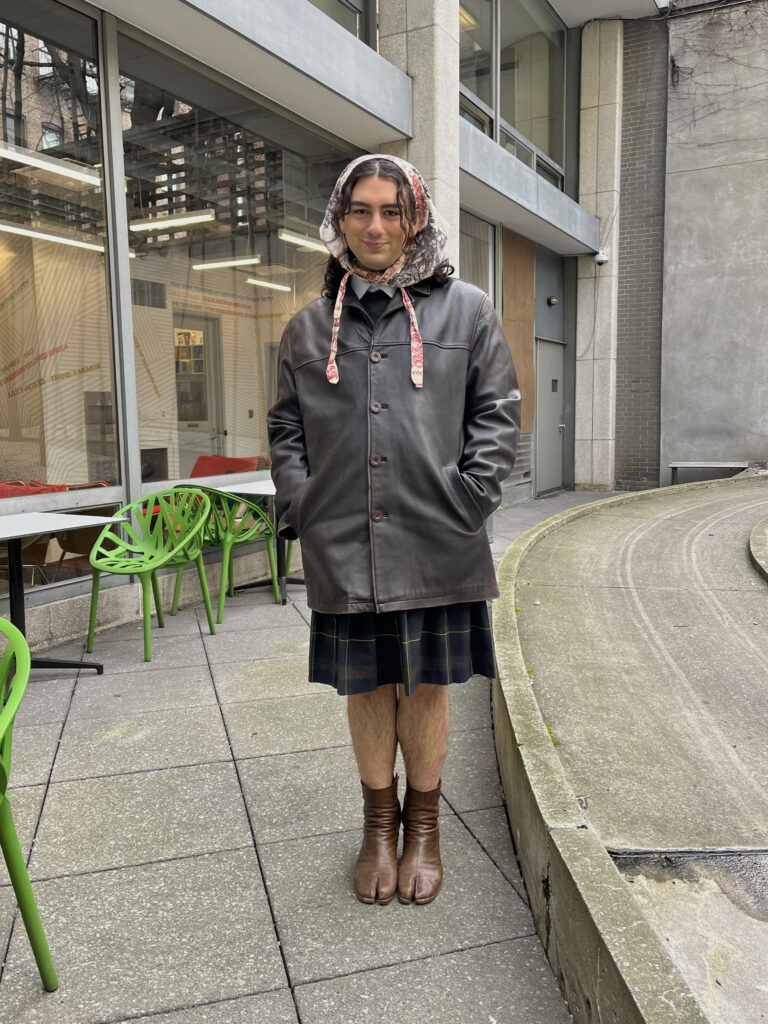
638	360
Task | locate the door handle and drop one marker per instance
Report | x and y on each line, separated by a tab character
561	427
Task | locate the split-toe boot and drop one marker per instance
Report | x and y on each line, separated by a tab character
420	873
376	869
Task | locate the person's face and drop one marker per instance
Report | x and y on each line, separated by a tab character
371	228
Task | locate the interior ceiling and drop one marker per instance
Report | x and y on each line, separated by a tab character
577	12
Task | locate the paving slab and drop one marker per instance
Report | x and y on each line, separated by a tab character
290	796
157	689
508	982
45	701
34	748
238	681
490	828
246	613
325	931
277	726
94	824
277	642
147	939
168	652
470	774
470	704
269	1007
183	623
122	743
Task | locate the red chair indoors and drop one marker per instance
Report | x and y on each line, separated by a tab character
216	465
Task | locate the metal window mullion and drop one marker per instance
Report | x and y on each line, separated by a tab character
496	69
117	249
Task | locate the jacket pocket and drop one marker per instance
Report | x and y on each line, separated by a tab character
471	512
295	508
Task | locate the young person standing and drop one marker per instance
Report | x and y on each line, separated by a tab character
396	421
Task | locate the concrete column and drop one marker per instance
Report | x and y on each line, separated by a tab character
421	38
597	297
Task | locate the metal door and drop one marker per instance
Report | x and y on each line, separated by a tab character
549	416
198	388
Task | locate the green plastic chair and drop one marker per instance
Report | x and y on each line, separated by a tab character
14	675
234	521
165	530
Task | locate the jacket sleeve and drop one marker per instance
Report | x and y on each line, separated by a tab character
491	413
287	445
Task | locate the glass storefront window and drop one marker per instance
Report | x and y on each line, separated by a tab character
531	74
225	199
57	422
476	47
477	255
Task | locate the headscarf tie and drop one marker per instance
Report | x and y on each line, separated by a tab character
415	264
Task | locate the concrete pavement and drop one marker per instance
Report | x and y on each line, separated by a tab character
193	823
630	721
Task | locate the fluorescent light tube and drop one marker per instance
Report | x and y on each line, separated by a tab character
172	220
49	163
301	240
466	22
214	264
45	236
268	284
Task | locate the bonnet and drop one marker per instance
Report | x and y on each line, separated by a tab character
415	264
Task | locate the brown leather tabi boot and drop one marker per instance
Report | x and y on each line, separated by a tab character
421	872
376	869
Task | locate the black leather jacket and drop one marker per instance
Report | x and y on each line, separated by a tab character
388	486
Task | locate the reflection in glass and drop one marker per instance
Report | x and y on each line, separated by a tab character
345	12
476	46
531	76
229	197
57	424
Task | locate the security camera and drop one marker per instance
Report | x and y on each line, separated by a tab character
601	257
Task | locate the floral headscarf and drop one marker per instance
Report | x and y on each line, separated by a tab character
415	264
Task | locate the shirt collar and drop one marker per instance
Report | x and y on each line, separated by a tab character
360	287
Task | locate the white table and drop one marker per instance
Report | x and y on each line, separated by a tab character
13	529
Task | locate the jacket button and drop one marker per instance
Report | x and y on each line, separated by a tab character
375	357
377	516
375	460
375	406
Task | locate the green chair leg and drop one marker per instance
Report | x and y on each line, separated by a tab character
94	605
206	595
17	869
177	589
273	568
226	579
288	553
232	572
147	614
158	602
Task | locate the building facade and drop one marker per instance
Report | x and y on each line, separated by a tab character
166	167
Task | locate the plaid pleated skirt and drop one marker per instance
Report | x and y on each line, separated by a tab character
356	653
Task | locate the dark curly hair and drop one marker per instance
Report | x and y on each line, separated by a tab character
376	167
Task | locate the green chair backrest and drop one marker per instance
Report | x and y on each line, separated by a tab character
14	675
235	518
161	527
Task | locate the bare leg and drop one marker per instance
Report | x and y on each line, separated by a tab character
372	727
422	731
372	719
